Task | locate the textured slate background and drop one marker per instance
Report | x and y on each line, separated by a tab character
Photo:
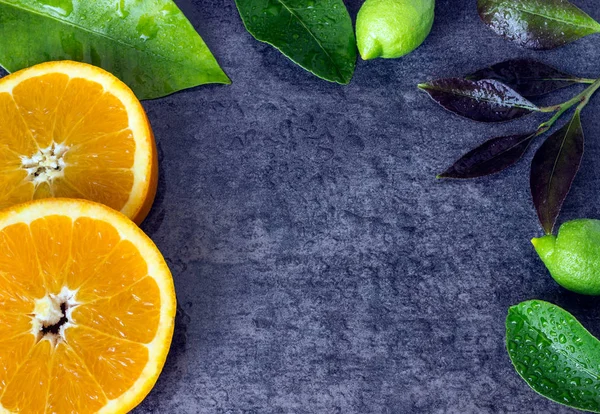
319	265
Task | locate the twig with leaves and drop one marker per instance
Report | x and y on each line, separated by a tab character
549	349
500	93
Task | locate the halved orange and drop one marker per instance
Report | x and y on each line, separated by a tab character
87	307
70	129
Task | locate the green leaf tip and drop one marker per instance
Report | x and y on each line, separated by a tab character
296	29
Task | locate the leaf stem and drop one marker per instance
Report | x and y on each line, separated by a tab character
545	127
585	80
582	99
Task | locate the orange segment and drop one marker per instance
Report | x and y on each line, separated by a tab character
10	182
38	99
114	150
52	237
136	308
87	309
21	193
42	191
14	133
13	352
13	298
109	187
124	264
73	130
63	189
78	100
18	260
107	116
27	391
9	160
14	324
72	388
113	362
95	240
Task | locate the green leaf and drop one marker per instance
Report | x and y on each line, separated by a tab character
150	45
316	35
554	354
537	24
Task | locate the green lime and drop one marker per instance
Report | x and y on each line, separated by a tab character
392	28
573	257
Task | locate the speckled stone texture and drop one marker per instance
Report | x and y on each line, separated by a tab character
320	267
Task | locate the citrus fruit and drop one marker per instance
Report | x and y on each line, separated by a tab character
392	28
573	256
87	308
69	129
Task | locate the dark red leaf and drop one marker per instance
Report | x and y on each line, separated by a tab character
526	76
491	157
483	100
553	170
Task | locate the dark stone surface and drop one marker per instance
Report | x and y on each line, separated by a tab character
319	265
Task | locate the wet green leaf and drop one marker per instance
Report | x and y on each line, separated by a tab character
528	77
554	354
553	170
150	45
484	100
537	24
317	35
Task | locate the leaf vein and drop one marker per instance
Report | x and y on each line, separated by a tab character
87	30
551	180
555	18
291	11
566	355
483	99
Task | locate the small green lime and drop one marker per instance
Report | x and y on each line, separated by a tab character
573	257
392	28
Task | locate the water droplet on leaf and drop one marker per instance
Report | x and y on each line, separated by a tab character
62	7
147	27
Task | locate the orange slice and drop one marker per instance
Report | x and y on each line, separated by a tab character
69	129
87	309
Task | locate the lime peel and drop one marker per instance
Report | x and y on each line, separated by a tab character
573	256
393	28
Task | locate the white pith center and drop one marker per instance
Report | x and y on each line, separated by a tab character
46	164
52	315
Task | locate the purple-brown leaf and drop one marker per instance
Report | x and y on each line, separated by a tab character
553	170
483	100
526	76
491	157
